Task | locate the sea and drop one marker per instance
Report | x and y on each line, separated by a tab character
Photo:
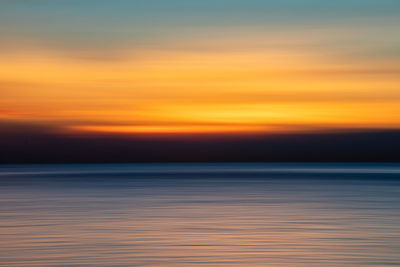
200	214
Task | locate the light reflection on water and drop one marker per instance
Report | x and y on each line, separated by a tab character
200	214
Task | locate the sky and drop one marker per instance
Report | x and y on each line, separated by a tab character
157	67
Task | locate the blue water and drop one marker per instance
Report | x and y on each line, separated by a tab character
226	214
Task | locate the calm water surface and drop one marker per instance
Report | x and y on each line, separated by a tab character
200	215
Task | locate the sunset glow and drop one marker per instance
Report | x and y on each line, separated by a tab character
248	79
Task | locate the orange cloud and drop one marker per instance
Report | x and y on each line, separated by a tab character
255	90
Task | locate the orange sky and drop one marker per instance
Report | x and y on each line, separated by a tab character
220	80
204	92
